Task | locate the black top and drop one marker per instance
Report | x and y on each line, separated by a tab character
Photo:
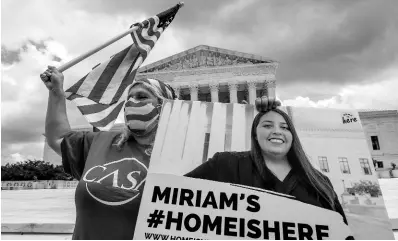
239	168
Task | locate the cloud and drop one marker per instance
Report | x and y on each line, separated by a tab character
12	159
9	56
194	13
314	41
379	94
24	99
16	157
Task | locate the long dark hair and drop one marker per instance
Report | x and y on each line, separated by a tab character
296	158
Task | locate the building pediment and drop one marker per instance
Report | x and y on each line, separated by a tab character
201	57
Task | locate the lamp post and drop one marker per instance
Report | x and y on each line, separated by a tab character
342	195
345	189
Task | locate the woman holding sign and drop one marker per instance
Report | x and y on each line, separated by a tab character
111	167
276	162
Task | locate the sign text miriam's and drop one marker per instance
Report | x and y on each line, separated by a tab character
223	225
183	196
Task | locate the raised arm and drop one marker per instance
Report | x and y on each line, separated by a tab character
57	124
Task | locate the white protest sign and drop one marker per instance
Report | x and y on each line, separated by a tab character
175	208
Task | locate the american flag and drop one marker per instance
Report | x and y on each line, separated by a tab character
97	95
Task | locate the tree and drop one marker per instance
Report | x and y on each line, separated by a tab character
367	187
33	170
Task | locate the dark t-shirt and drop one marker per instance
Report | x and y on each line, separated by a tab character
239	168
110	185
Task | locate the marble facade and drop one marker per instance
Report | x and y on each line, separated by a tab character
215	72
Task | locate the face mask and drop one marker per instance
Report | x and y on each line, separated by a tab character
140	118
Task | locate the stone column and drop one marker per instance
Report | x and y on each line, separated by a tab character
194	88
233	92
252	91
270	86
214	92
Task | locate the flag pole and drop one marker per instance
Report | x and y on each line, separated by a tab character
76	60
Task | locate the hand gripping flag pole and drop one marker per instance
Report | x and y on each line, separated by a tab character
95	50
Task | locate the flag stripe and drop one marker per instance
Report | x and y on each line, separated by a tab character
146	117
153	31
159	85
121	73
137	111
144	124
111	117
164	89
128	79
146	42
142	48
98	81
81	101
143	44
87	85
74	88
72	96
150	35
92	109
132	103
148	39
95	117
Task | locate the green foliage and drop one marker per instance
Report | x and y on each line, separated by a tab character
367	187
33	170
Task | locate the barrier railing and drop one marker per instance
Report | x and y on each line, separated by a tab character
45	184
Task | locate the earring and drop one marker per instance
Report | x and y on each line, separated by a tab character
159	107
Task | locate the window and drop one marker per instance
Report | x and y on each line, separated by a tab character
185	96
242	96
344	165
375	142
379	164
260	93
223	97
204	97
365	166
323	163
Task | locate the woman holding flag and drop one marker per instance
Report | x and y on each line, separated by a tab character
111	167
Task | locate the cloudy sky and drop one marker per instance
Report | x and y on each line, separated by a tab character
338	54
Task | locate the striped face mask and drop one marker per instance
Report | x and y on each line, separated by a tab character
140	118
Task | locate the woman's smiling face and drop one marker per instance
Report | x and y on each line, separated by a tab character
273	135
